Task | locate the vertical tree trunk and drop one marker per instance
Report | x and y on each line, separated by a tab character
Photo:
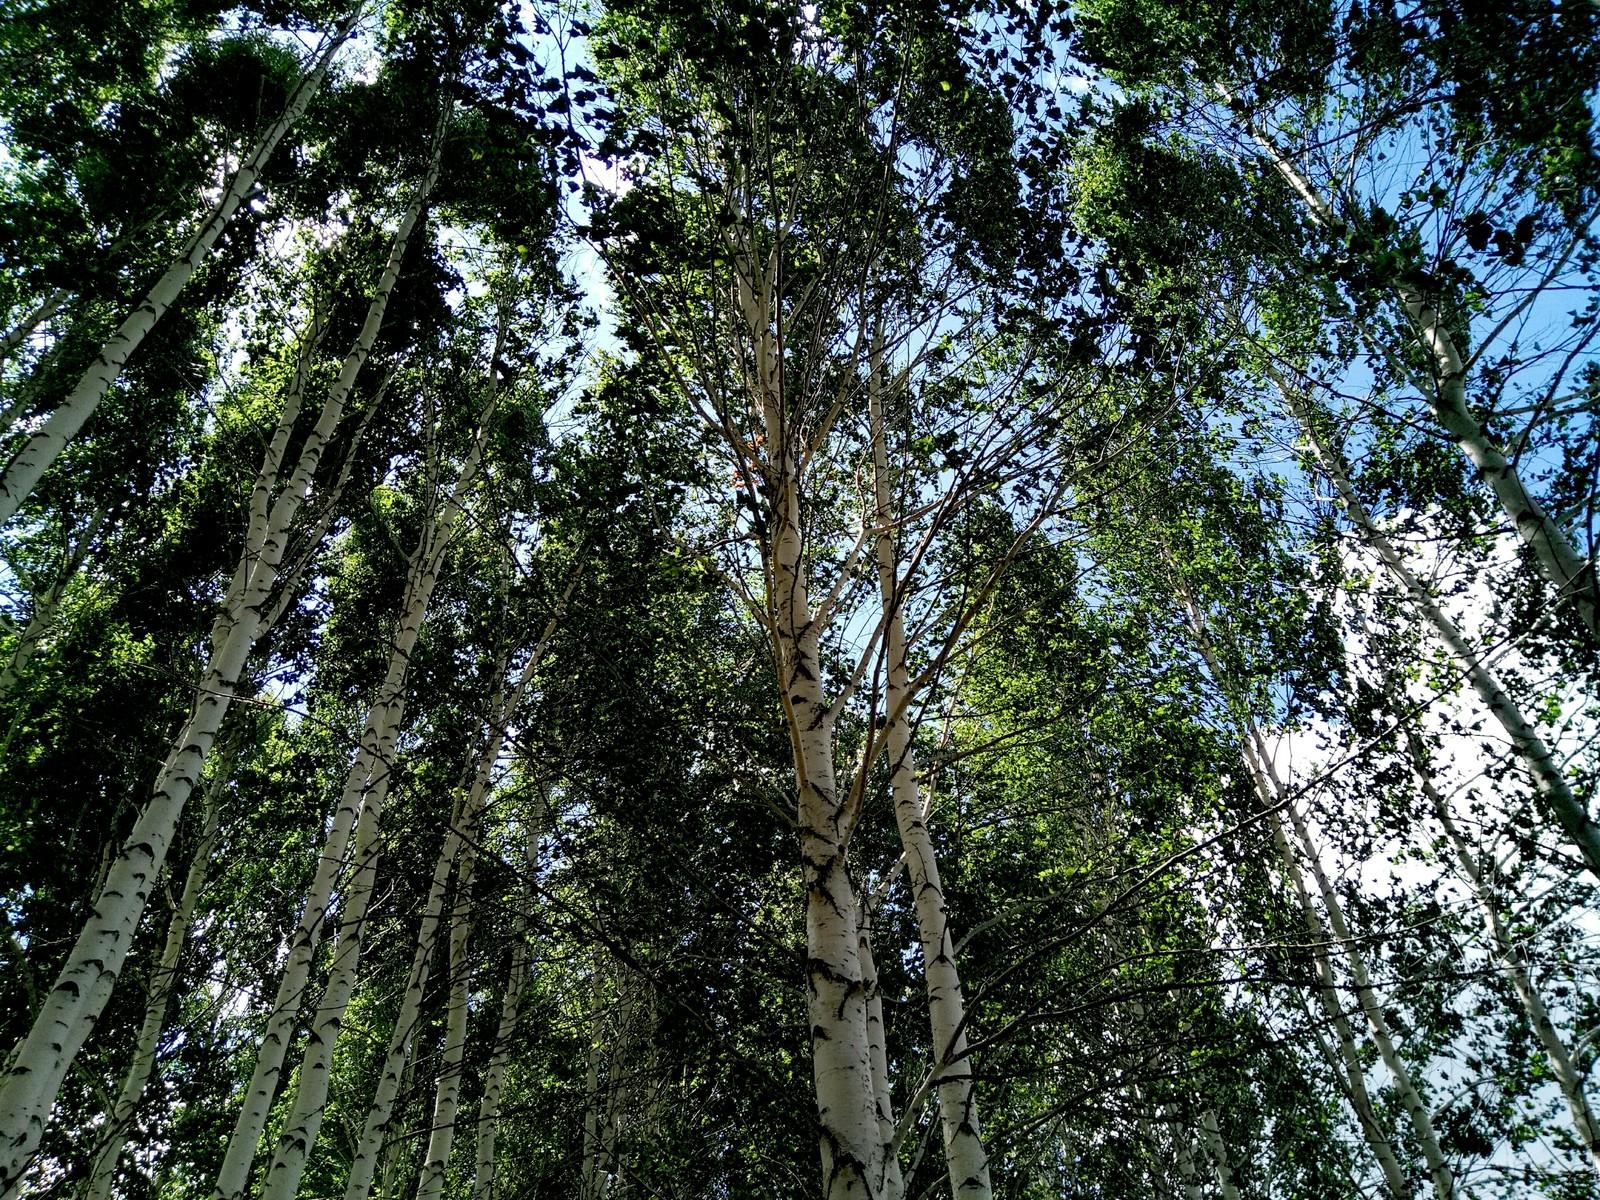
877	1048
494	1078
1219	1155
367	785
965	1157
85	983
120	1120
23	472
463	828
596	1181
46	605
1511	964
1549	780
1399	1073
855	1162
1355	1077
376	742
1575	580
1185	1155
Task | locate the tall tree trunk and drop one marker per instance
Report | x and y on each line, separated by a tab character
1399	1073
494	1076
46	605
463	828
855	1162
965	1158
1549	780
1575	580
375	744
23	472
1511	963
1219	1155
367	785
1270	794
596	1180
32	320
1184	1150
877	1048
85	983
120	1120
1349	1058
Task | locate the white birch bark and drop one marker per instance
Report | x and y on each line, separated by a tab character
1549	780
120	1120
447	1092
463	828
23	472
307	935
1574	578
877	1048
85	983
1511	964
1219	1155
45	607
1348	1057
486	1169
1378	1025
31	320
1184	1152
965	1157
367	788
854	1159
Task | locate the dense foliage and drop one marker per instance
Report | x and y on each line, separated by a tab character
659	599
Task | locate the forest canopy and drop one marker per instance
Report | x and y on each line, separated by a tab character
863	599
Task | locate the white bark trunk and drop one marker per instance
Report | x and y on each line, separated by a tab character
1185	1155
85	983
1549	779
494	1078
22	474
367	785
877	1049
120	1120
1399	1073
464	827
31	320
854	1159
965	1157
1355	1077
1574	578
234	1171
45	607
1219	1155
1512	966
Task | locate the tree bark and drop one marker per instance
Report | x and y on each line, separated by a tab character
120	1120
23	472
1269	791
494	1078
307	935
1410	1099
855	1162
1219	1155
1575	580
1549	780
965	1157
45	607
1512	965
85	983
463	828
367	786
